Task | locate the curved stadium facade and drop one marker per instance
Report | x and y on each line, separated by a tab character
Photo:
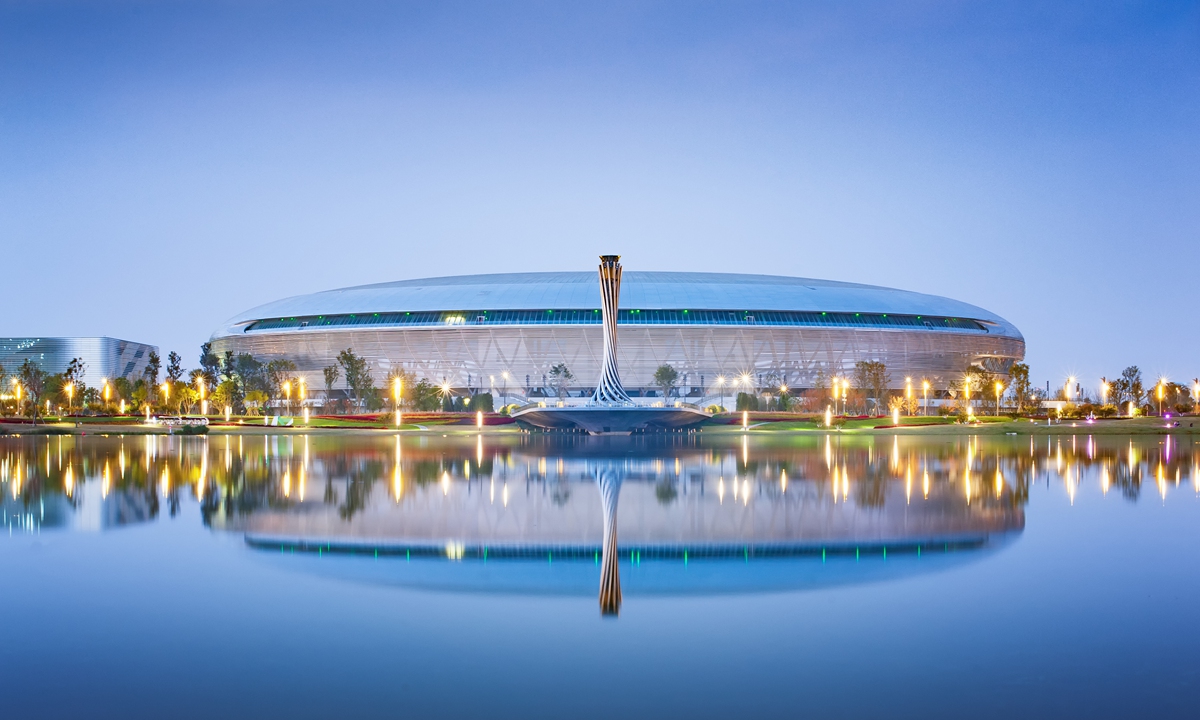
506	331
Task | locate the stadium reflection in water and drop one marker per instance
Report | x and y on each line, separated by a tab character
530	514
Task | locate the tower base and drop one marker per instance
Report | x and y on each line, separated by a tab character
599	420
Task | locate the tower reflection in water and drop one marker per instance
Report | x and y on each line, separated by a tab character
608	478
511	514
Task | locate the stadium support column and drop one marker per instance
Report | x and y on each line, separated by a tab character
608	389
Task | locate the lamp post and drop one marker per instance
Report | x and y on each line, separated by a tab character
17	390
1160	396
925	389
303	391
397	393
200	388
721	384
70	388
287	394
1103	391
999	390
967	394
907	393
504	388
1195	394
107	389
166	393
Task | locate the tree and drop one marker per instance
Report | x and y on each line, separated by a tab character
210	366
185	397
331	376
73	376
426	397
228	394
277	373
1019	384
746	401
871	377
560	379
976	383
33	381
1133	387
407	382
358	375
665	377
153	365
257	399
174	367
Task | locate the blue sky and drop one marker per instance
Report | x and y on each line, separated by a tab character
191	160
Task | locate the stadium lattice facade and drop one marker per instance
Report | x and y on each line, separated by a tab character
505	332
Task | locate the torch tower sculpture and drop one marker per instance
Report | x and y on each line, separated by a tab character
608	389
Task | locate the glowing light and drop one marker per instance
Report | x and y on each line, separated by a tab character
745	419
446	483
397	478
828	416
896	416
479	419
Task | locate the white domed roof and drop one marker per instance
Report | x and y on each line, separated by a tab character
639	290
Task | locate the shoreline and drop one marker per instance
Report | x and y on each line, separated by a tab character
920	426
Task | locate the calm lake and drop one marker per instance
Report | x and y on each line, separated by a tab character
531	576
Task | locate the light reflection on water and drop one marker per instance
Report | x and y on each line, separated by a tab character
497	497
831	555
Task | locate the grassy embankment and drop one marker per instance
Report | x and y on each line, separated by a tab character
1188	425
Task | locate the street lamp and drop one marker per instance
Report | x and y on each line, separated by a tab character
925	389
166	392
397	394
1103	391
1161	383
907	393
1195	394
967	394
70	388
200	388
287	394
999	390
303	391
1067	393
17	388
721	384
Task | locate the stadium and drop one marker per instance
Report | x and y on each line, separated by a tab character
723	333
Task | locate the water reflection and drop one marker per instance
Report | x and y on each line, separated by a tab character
684	501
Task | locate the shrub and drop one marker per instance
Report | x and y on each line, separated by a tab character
747	401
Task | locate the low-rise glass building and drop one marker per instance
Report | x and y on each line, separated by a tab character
103	357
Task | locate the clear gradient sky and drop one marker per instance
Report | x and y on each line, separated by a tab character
165	165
